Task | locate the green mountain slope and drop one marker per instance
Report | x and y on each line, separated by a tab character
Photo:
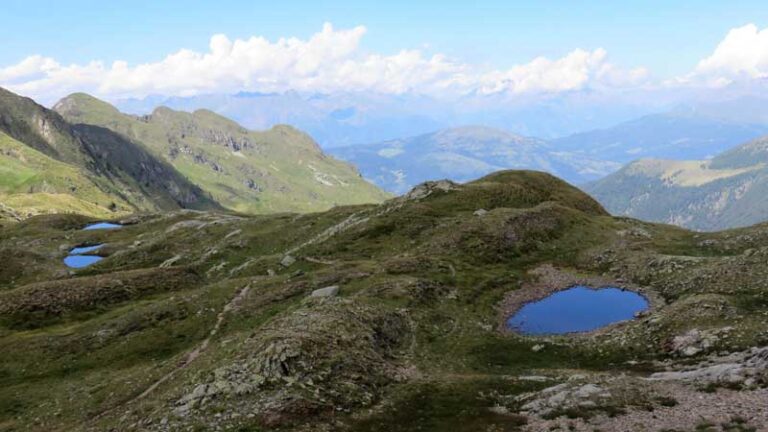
33	183
209	321
725	192
108	164
281	169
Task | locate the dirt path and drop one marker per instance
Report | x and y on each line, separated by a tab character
191	356
195	353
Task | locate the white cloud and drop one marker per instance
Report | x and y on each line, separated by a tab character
30	67
575	71
330	60
741	56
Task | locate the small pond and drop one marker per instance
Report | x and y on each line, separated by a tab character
75	259
102	225
577	309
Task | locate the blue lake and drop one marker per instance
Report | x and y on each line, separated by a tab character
77	260
577	309
101	225
80	261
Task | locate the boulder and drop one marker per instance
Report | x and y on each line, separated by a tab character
287	261
330	291
697	341
170	261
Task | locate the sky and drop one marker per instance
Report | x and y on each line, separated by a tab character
132	49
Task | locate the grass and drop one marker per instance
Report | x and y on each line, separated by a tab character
437	406
132	344
33	183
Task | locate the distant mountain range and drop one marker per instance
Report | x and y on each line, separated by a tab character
87	157
463	154
343	119
726	191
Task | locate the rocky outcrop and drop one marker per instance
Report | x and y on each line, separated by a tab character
564	397
335	354
697	341
428	188
747	369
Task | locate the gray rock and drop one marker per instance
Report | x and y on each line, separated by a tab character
287	261
331	291
233	233
170	261
184	225
534	378
497	409
480	212
697	341
563	396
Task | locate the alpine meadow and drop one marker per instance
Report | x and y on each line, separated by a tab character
363	217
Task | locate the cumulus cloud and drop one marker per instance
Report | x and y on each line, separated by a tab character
330	60
741	56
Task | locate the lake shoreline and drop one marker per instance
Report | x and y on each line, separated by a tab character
547	280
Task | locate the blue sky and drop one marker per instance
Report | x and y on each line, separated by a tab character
667	37
179	48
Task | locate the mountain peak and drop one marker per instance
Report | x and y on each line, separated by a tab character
73	105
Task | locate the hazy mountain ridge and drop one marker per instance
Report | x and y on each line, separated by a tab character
724	192
281	169
463	154
351	118
673	135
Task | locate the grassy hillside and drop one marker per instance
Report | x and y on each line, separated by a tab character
33	183
281	169
126	171
725	192
206	321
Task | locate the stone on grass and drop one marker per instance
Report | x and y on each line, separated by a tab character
287	261
331	291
